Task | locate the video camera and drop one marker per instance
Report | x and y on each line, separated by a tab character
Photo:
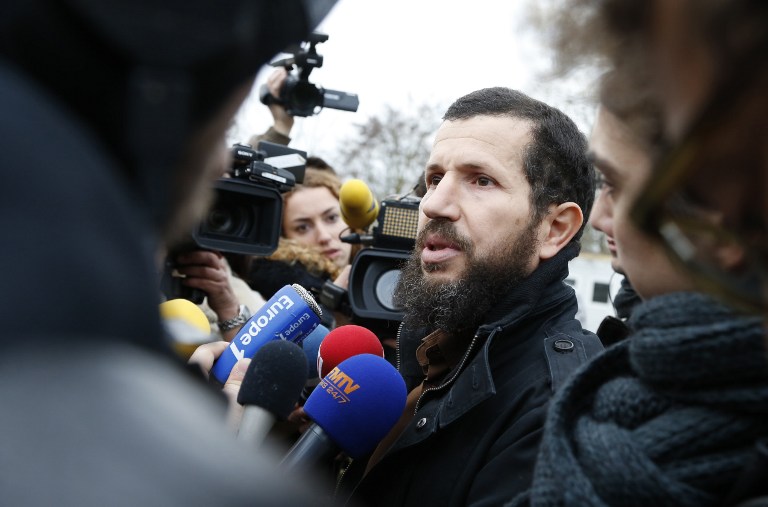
298	96
246	215
376	269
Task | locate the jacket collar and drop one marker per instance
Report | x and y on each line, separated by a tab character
536	294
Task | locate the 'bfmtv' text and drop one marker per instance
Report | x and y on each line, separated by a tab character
339	385
260	322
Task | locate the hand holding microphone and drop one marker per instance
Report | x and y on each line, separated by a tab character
291	314
204	357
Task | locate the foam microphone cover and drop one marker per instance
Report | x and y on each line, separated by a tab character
359	208
344	342
274	378
358	403
311	346
186	324
186	310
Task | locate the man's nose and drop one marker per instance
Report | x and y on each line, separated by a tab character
442	200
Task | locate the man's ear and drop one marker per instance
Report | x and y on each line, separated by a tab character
558	227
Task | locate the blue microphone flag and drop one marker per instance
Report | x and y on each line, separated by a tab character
291	314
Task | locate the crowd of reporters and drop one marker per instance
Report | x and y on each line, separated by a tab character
489	392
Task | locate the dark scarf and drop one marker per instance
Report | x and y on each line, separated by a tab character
667	417
626	300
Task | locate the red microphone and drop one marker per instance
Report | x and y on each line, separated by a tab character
344	342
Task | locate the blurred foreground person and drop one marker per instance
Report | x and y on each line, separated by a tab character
114	115
710	62
669	416
675	415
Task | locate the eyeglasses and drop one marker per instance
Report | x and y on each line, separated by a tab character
707	197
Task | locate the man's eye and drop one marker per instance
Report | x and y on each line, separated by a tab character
603	184
482	181
434	179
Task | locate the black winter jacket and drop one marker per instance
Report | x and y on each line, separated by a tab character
474	440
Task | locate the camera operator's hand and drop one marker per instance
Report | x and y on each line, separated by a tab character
343	279
204	357
283	122
209	272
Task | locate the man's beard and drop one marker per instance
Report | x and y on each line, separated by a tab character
459	306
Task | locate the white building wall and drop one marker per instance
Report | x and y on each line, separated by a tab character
595	283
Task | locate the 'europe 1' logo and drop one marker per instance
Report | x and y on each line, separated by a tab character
339	385
258	323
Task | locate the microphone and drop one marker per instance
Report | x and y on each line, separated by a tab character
270	388
352	409
311	345
359	208
340	344
344	342
186	324
291	314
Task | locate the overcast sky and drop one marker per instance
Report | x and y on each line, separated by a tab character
407	52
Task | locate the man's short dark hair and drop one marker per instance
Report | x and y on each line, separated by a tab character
555	161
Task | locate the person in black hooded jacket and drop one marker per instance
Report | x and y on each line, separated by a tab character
113	126
489	330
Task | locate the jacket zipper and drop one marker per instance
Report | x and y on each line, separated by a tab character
456	372
349	464
341	478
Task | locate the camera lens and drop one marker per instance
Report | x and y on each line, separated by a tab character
232	220
385	286
244	219
219	221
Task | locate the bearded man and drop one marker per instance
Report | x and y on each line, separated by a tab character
489	330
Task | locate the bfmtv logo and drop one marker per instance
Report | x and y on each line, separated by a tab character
339	385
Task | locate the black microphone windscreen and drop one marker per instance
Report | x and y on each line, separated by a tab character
275	378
